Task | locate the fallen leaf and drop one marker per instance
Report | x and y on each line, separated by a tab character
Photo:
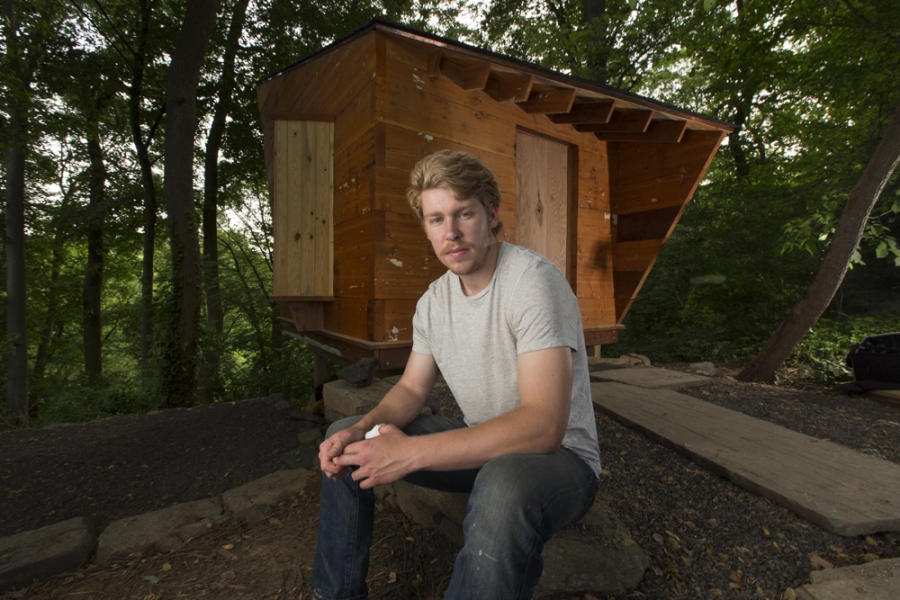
777	547
734	586
871	541
820	562
716	593
152	578
658	538
167	567
789	594
410	539
766	532
228	546
736	580
869	557
392	578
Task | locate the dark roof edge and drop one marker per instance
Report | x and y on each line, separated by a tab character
511	61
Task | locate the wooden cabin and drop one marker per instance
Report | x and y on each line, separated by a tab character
592	177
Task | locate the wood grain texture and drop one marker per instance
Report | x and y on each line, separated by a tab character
838	488
542	197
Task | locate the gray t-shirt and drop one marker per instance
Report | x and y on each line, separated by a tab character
476	340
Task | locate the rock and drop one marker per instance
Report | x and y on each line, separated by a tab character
361	373
303	457
343	399
282	405
34	555
644	360
703	368
876	580
604	364
310	437
257	499
595	555
156	531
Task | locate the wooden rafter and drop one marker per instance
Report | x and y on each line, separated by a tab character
661	131
515	88
586	112
549	102
621	121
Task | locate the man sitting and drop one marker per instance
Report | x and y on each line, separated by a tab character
503	328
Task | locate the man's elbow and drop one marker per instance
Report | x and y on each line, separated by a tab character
551	439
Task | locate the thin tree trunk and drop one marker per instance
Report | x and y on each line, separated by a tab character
180	374
215	316
16	330
827	279
92	327
594	12
148	187
43	351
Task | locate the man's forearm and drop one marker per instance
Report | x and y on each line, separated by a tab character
398	407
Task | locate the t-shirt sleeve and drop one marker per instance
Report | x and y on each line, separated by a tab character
544	312
421	343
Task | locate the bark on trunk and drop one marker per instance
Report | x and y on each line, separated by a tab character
827	279
43	351
16	331
215	316
148	187
594	12
180	374
92	326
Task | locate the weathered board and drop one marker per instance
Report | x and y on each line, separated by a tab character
303	209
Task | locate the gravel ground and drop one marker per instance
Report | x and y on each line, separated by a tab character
705	537
708	538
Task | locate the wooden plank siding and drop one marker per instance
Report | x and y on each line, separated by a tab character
394	97
302	209
448	113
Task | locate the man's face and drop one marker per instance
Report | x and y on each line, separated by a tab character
459	231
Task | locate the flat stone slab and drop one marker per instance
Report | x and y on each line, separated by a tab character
877	580
840	489
34	555
595	555
344	399
256	500
158	531
652	378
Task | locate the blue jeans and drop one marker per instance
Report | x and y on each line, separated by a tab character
516	503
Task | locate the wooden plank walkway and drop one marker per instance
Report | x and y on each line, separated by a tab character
840	489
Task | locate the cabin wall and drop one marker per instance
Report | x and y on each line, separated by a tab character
337	86
418	115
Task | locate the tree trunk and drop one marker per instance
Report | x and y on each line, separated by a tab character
16	331
92	328
180	372
43	352
148	187
594	12
215	317
827	279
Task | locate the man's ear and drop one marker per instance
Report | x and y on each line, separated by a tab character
494	215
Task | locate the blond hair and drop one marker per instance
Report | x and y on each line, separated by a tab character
462	174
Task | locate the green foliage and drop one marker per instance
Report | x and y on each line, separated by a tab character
821	355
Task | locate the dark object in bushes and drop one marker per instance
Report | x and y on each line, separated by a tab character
876	363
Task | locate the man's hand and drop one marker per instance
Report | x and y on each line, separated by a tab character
333	447
384	459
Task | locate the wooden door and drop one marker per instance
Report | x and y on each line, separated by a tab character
543	198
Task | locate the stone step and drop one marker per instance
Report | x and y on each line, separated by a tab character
877	580
838	488
35	555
